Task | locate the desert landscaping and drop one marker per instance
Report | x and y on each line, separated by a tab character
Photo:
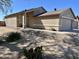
39	29
55	45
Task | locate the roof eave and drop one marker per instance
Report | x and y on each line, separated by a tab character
72	12
49	15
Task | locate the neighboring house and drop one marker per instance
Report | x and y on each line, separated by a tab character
2	23
39	18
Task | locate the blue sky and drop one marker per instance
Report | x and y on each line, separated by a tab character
49	5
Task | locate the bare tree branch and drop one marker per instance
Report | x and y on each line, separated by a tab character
5	5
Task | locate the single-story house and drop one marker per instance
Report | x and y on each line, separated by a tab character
22	19
41	19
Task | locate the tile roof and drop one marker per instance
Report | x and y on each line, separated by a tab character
37	11
52	13
57	12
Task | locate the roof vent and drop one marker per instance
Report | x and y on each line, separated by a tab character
77	16
25	10
55	9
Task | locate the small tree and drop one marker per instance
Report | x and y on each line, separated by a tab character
13	36
33	53
5	5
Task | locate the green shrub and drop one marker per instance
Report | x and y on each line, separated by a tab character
1	42
38	52
33	53
13	36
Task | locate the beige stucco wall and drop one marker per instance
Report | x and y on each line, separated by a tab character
50	22
19	20
11	22
31	20
46	22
